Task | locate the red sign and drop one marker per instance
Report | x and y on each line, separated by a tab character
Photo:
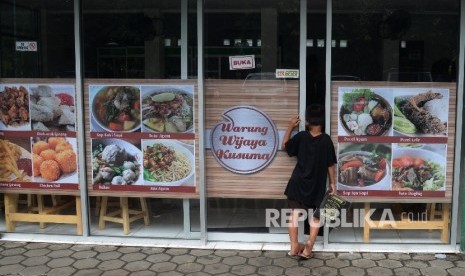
241	62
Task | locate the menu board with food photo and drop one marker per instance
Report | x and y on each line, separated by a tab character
421	112
142	138
167	109
54	159
52	108
148	165
365	112
419	167
16	163
38	124
14	108
364	167
116	162
392	141
168	163
115	108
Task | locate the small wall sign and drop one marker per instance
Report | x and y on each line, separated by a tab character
26	46
241	62
287	73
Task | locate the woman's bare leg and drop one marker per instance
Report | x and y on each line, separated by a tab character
293	229
314	229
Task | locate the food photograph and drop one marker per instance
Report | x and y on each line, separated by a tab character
116	162
168	109
364	166
419	168
16	162
115	108
168	163
52	108
14	110
422	113
54	159
364	112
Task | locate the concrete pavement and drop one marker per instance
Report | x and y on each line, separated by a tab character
21	258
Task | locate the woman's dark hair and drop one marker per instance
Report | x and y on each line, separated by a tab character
315	115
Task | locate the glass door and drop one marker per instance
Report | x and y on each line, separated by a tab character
251	92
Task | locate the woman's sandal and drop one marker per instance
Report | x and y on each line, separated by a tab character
301	250
305	257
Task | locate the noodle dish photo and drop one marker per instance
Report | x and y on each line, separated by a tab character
167	163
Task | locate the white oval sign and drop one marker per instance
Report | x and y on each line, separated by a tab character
246	141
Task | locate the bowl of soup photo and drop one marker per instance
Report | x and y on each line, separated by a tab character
360	170
117	108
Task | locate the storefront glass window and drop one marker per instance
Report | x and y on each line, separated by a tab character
134	40
142	170
413	41
38	112
242	32
316	52
397	58
46	33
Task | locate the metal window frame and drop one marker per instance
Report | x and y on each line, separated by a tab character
303	63
201	122
459	190
81	139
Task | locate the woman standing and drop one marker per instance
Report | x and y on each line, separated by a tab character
306	188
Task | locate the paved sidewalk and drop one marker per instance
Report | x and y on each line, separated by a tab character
20	258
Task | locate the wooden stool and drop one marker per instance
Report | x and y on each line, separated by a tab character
35	204
432	222
44	214
124	215
98	205
433	212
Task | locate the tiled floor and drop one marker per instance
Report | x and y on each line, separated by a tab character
62	259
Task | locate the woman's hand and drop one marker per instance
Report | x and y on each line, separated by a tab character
332	188
294	122
332	179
